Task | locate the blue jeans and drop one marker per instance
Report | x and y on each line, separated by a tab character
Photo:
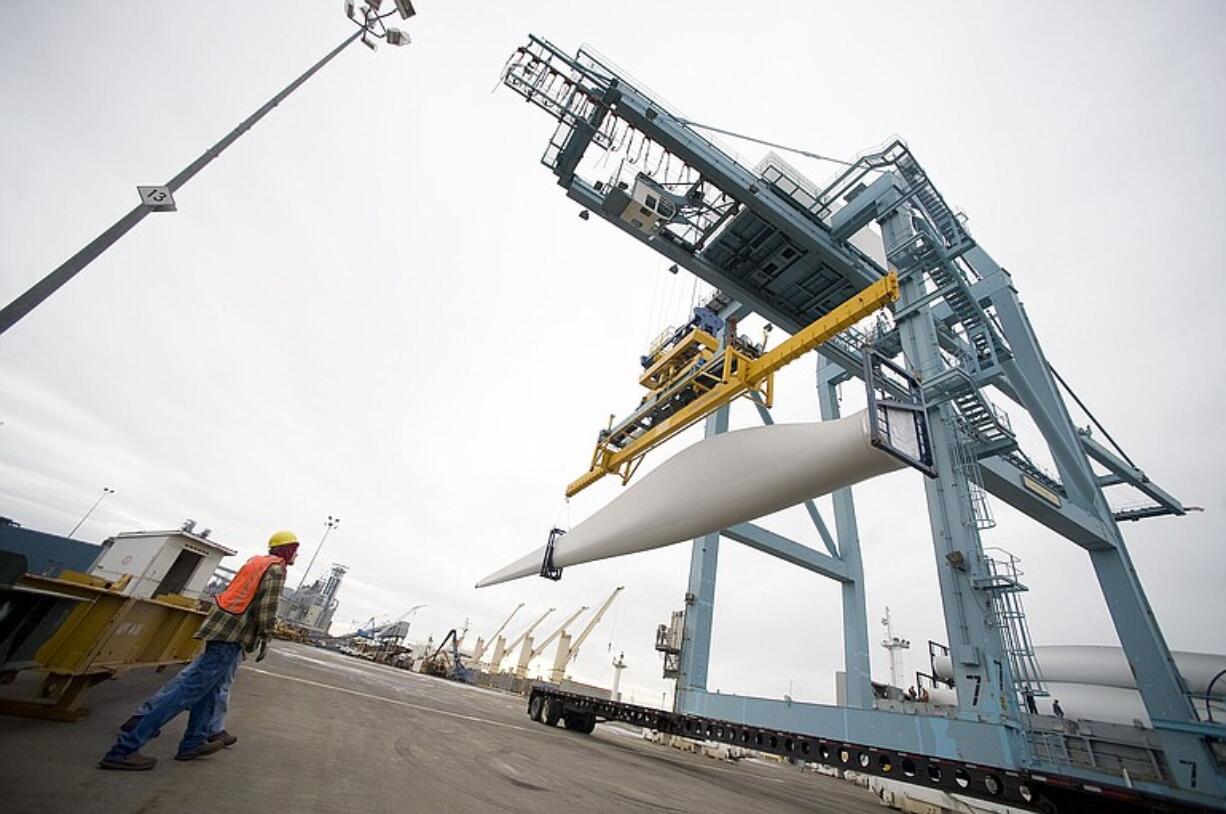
197	688
220	708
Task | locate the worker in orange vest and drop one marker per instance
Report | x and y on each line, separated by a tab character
241	622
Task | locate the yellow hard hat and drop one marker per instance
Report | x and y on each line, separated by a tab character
282	538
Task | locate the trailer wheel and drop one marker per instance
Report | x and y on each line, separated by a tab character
535	707
552	712
583	724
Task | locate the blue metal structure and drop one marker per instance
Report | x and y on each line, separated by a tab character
48	554
776	246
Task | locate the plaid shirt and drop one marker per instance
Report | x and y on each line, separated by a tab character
254	624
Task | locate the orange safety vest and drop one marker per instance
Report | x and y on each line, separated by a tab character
236	598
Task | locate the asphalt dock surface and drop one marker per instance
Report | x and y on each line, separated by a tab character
323	732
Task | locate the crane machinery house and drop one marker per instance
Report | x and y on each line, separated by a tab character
646	206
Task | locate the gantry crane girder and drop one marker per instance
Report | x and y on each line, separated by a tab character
778	246
784	252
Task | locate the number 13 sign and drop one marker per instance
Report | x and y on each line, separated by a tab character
157	199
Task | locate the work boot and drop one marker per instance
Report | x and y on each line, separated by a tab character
135	762
203	750
225	737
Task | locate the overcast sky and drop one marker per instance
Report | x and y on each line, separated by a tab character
379	305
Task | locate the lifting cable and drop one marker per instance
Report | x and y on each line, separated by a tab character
563	515
613	632
796	150
655	297
1086	410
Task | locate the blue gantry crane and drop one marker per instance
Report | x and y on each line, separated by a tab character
773	243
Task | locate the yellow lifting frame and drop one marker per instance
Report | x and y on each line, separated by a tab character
696	343
739	379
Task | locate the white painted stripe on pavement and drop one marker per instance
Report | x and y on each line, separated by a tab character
396	701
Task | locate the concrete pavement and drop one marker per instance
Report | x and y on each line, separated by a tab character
322	732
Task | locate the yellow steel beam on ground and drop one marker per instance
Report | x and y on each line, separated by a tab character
747	376
105	634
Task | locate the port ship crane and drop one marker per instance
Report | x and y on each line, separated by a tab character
530	650
501	653
568	650
482	644
776	244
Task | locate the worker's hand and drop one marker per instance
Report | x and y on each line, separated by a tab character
263	650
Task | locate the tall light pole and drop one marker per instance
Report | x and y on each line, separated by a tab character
371	27
331	523
106	490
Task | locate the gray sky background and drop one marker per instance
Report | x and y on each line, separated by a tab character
379	305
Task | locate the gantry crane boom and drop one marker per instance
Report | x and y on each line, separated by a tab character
595	620
540	648
524	635
413	609
568	648
737	374
482	644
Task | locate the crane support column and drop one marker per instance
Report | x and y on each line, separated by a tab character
856	663
1161	686
700	599
982	675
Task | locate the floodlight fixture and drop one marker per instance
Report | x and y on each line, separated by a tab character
374	5
405	7
369	43
397	37
349	10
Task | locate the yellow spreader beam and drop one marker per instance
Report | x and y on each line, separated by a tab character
738	379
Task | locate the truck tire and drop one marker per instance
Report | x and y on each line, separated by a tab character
535	708
581	723
552	712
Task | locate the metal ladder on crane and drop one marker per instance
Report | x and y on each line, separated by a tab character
984	420
978	513
939	241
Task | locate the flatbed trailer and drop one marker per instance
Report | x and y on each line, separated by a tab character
1044	792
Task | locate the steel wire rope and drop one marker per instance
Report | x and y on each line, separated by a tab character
660	163
1089	414
675	298
613	629
1209	695
797	150
563	514
655	298
669	306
